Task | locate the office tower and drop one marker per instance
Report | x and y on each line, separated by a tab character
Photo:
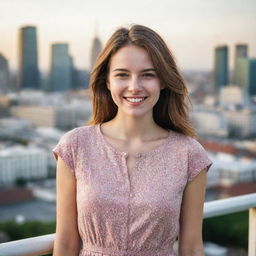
220	67
4	75
79	78
28	60
252	77
246	75
241	51
61	68
73	74
96	49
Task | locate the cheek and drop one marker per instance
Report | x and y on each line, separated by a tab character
116	87
116	92
154	88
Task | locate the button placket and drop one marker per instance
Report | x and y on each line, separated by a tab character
124	156
128	182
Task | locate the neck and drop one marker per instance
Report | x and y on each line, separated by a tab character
134	127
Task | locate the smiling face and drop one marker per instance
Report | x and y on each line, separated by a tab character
133	82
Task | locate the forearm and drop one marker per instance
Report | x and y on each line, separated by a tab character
65	250
191	251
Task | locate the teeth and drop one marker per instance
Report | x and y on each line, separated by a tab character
135	99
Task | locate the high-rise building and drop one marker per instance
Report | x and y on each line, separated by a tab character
28	58
4	74
96	49
246	75
220	67
241	51
73	73
252	77
61	68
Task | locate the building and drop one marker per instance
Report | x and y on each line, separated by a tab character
37	115
4	75
5	101
232	95
64	117
80	79
241	51
234	170
22	162
32	97
72	115
241	122
28	58
246	75
16	129
209	123
96	49
13	195
229	169
237	189
252	77
61	68
220	67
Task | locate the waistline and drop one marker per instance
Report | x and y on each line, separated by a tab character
87	249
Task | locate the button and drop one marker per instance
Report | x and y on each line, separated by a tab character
124	153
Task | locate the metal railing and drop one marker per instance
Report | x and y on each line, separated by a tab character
42	245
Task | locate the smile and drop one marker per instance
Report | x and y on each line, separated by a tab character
135	100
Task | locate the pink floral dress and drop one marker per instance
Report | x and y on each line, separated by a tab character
132	213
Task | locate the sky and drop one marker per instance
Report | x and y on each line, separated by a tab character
191	28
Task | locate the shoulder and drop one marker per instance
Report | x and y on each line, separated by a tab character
197	155
70	142
194	145
77	133
187	143
182	140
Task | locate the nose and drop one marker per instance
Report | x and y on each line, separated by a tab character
134	85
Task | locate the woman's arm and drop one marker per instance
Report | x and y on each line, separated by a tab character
191	217
67	241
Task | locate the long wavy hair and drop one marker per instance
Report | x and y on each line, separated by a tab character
171	110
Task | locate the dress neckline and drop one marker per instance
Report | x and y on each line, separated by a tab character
124	153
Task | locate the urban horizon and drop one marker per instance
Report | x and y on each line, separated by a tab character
204	34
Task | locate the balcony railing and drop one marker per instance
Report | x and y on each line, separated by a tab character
42	245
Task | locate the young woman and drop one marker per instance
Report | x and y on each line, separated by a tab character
132	180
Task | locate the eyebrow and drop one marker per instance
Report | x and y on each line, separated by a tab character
126	70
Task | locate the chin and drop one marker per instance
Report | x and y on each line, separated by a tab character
136	113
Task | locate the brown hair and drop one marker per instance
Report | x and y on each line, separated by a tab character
171	110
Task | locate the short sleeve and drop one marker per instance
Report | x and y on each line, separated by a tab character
66	149
197	159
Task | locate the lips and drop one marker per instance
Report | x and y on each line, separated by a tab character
135	100
133	97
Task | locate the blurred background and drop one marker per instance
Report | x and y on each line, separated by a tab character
47	50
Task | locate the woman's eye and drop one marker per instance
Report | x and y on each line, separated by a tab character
148	75
122	75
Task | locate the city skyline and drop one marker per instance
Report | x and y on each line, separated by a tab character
191	30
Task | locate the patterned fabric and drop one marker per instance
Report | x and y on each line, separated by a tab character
132	213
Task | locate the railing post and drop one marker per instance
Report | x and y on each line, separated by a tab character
252	232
